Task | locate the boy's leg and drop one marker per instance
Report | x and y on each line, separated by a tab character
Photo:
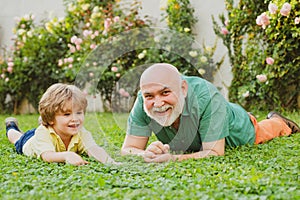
276	125
13	132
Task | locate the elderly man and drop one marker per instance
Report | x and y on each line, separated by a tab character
191	119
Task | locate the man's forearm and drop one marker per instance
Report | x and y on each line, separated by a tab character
131	150
197	155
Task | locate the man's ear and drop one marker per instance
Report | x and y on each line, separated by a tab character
184	87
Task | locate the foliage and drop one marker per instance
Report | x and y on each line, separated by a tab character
266	171
31	66
262	38
65	49
54	51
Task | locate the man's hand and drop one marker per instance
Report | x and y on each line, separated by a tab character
158	158
157	152
158	147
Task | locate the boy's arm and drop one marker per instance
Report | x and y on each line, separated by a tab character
100	154
66	156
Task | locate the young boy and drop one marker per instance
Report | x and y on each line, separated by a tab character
61	136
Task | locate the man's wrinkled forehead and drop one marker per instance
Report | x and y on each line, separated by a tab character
154	87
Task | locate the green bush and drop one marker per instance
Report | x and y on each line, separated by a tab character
84	48
264	55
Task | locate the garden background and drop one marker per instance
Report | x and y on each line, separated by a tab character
102	47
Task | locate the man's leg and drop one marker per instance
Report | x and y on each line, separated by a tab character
275	126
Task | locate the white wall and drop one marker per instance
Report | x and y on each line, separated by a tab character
10	9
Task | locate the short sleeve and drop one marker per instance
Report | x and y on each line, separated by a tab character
42	141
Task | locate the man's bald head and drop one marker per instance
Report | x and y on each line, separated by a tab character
161	73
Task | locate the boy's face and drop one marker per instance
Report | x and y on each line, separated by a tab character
68	123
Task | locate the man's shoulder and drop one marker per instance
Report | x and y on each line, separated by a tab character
194	80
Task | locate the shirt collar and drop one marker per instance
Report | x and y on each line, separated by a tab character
185	111
74	139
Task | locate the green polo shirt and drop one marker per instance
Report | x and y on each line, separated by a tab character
207	116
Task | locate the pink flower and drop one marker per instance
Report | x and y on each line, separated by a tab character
226	22
10	64
116	18
73	39
86	33
261	78
70	59
10	69
246	94
286	9
263	20
118	75
60	62
123	93
93	46
72	49
78	41
297	20
272	8
269	60
107	23
114	69
122	90
2	75
224	31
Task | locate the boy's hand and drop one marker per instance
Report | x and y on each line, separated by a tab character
66	157
74	159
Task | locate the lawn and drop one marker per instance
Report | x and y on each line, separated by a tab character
268	171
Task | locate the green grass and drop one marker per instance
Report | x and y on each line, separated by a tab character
267	171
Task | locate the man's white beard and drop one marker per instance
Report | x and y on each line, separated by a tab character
167	120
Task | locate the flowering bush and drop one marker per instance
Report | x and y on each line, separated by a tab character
262	38
85	46
30	67
54	52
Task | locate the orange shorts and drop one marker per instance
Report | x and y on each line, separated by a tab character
268	129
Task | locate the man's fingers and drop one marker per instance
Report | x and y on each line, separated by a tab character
149	155
154	149
159	158
166	148
158	147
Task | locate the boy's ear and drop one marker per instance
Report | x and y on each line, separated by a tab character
184	87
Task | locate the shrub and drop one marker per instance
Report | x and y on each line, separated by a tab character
96	44
263	47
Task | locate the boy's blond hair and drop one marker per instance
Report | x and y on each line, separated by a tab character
55	99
